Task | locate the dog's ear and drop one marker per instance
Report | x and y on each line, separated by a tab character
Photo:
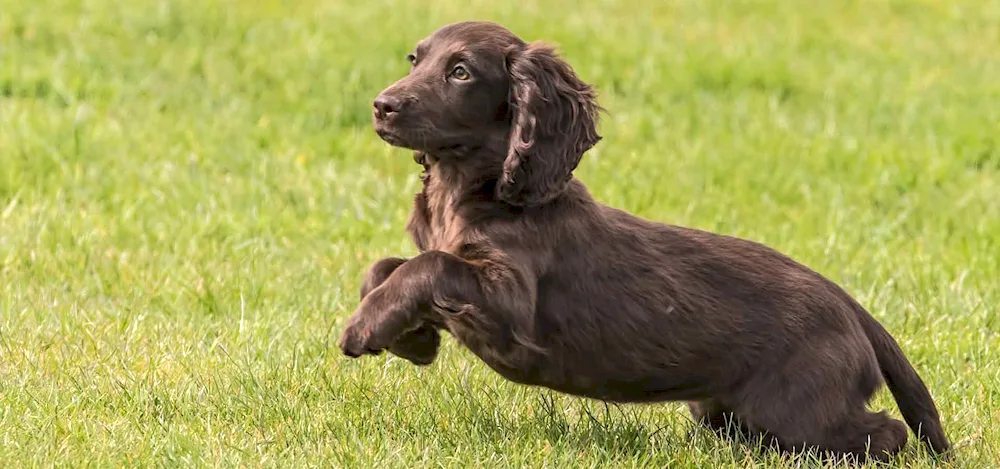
553	122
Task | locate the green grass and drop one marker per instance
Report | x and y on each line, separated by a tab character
191	190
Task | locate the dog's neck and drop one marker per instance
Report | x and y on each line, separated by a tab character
467	175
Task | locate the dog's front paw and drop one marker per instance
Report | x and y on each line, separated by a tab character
357	340
419	346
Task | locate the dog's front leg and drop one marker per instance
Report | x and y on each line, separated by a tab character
419	346
401	303
378	273
487	304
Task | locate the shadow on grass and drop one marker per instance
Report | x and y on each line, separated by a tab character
607	432
630	433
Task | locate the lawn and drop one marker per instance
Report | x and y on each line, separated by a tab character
190	191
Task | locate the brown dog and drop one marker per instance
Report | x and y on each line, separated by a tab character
550	288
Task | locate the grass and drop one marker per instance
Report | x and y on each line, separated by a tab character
191	190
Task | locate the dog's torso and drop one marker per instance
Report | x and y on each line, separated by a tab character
632	310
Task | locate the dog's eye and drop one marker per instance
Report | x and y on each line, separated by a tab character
460	73
412	59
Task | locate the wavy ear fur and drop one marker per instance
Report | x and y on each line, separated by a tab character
554	122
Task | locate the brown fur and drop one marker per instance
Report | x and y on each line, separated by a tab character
551	288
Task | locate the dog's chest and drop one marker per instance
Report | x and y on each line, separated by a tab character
435	223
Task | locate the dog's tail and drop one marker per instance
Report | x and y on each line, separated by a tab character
910	392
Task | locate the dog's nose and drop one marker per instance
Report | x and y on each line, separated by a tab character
386	105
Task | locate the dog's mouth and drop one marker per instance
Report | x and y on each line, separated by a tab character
390	137
401	139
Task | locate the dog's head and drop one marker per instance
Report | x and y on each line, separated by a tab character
477	91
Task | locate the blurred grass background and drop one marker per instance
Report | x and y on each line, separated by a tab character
191	190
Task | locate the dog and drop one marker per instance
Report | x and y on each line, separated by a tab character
551	288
